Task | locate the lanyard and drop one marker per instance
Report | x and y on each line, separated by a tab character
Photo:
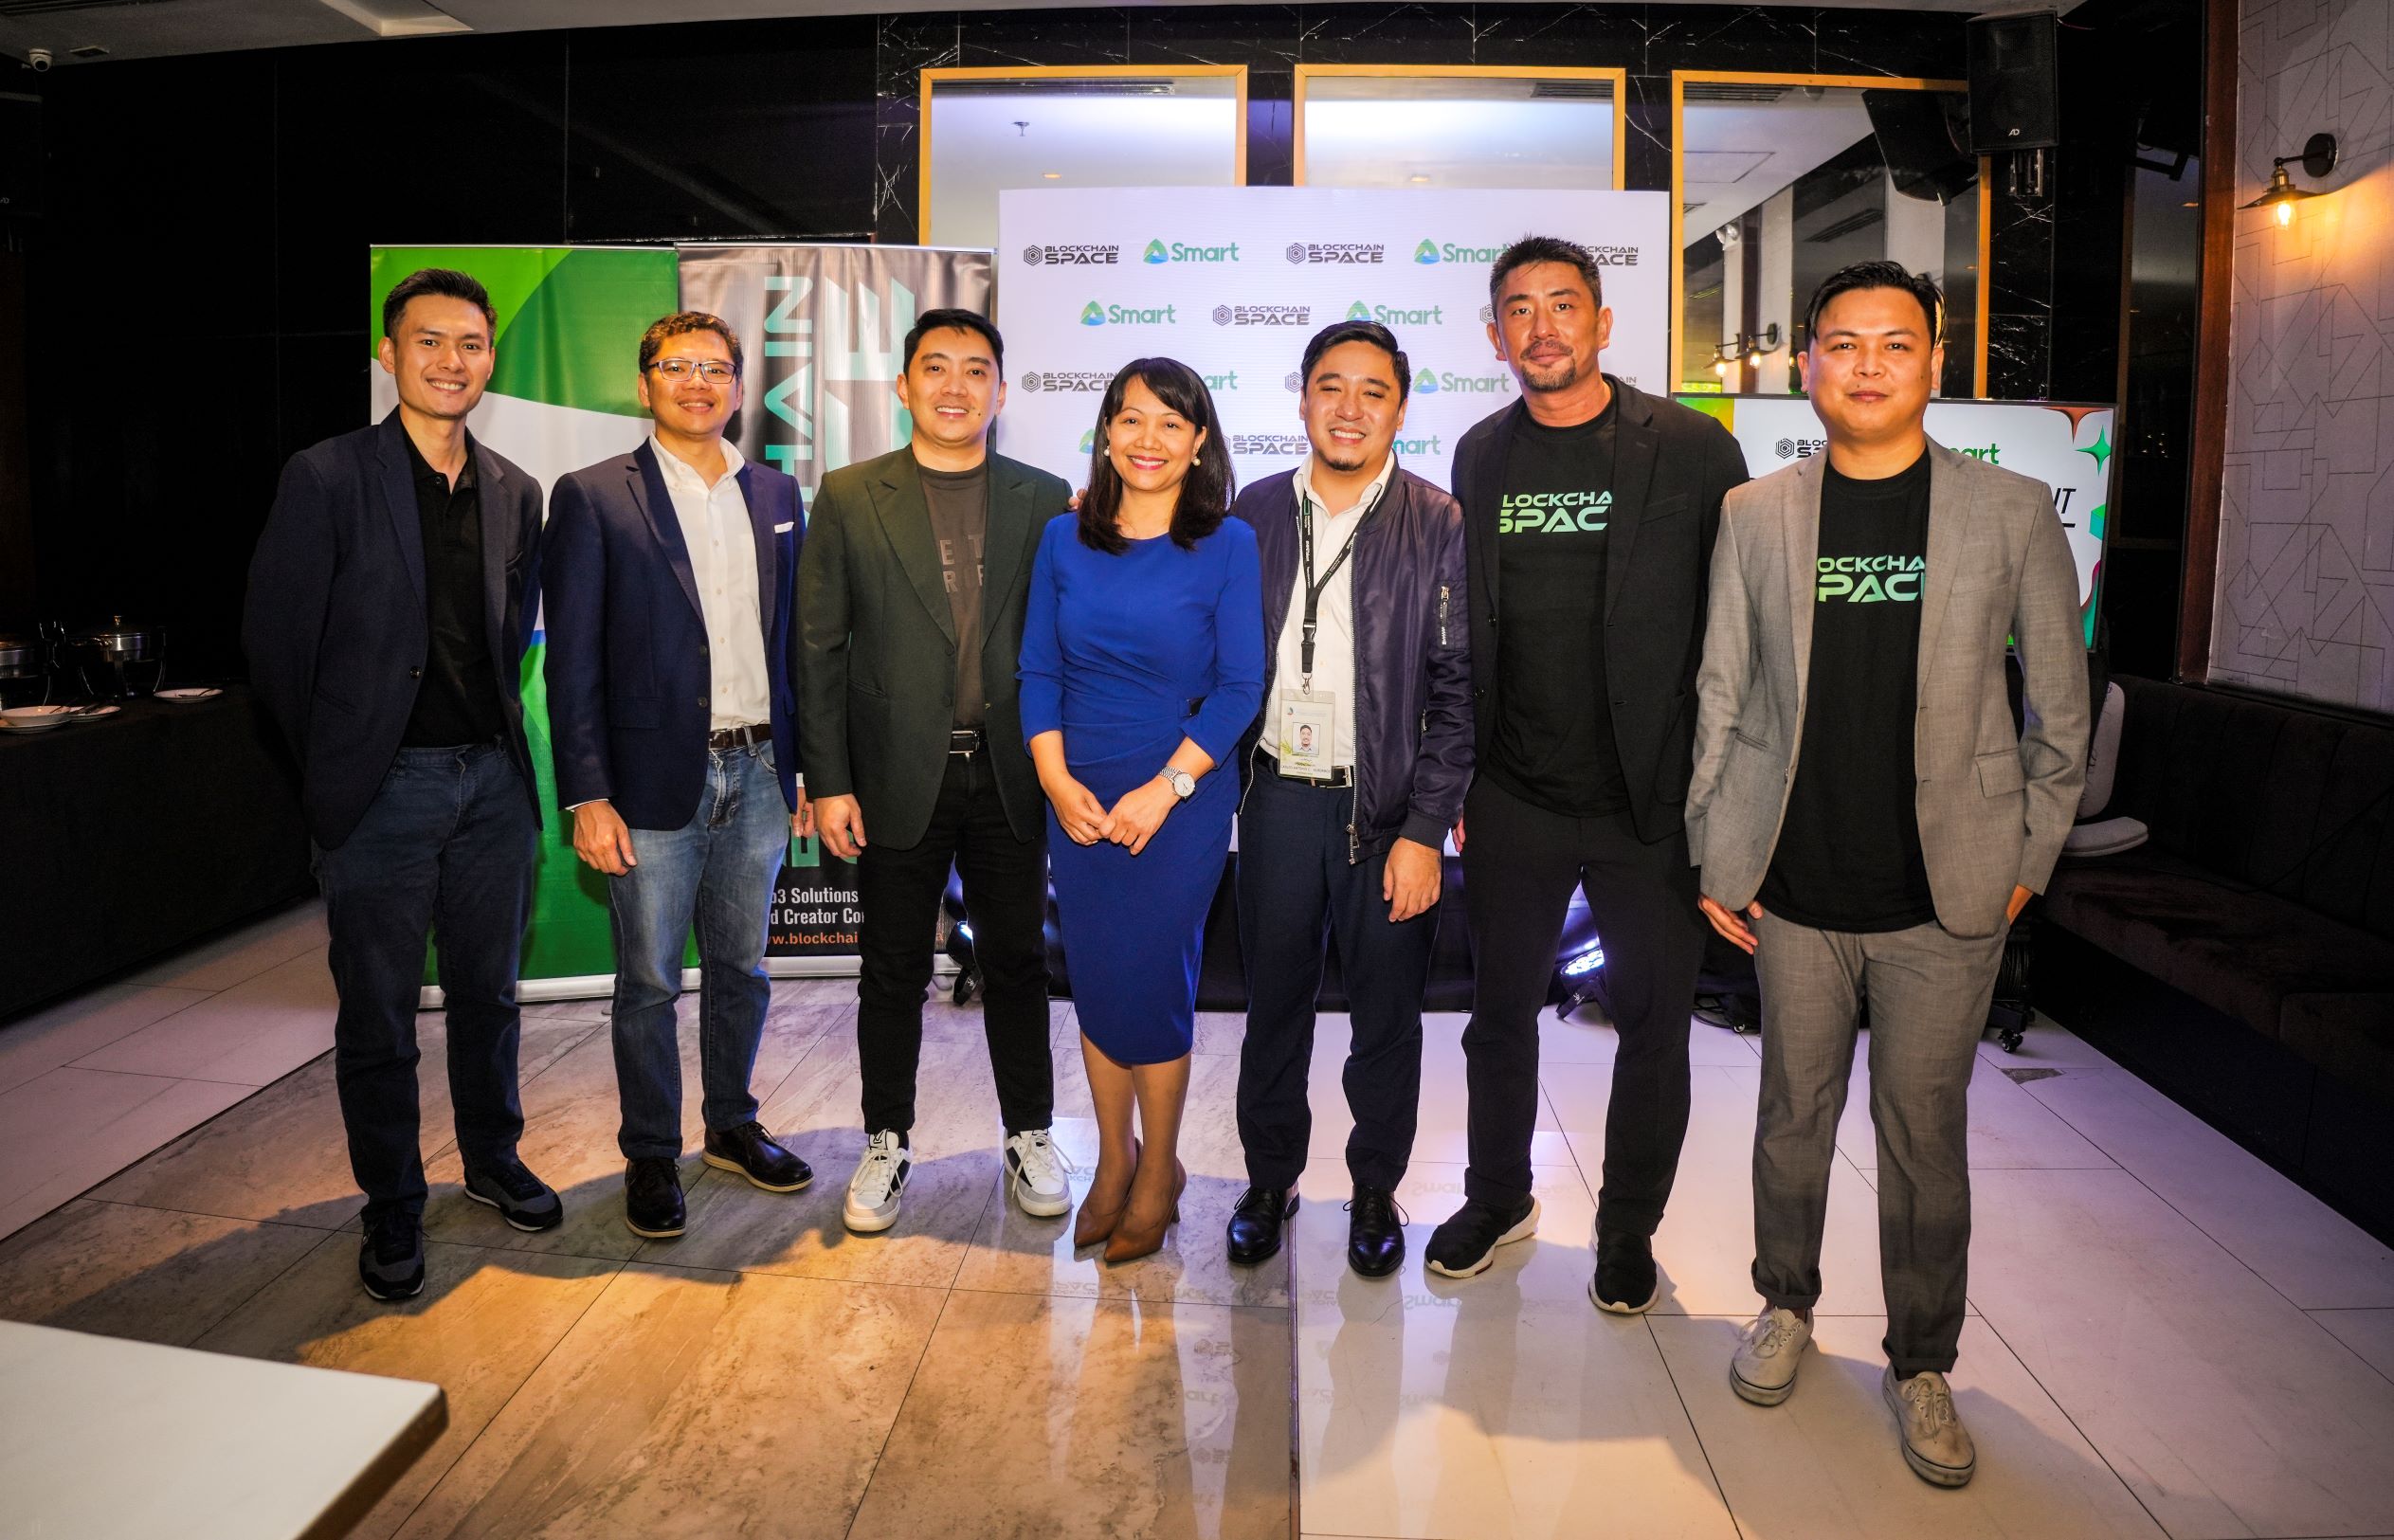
1312	624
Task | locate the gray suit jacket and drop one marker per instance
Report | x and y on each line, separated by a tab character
1993	806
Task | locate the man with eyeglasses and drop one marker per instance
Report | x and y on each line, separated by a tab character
672	628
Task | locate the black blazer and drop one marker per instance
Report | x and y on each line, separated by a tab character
877	671
630	680
335	624
1673	467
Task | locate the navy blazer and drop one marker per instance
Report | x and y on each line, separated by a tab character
630	680
336	622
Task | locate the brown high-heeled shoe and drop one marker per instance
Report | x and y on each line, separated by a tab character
1091	1225
1130	1245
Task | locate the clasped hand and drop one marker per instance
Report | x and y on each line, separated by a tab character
1131	822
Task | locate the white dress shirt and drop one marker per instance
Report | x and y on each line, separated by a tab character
722	545
1335	641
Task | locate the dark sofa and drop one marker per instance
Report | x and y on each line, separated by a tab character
2244	959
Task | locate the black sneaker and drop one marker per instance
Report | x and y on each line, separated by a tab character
1467	1243
1256	1224
523	1199
750	1151
652	1198
1376	1232
391	1260
1625	1281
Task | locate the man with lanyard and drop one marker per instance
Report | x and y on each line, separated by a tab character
1358	763
1591	508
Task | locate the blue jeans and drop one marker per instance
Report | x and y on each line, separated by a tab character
716	870
445	848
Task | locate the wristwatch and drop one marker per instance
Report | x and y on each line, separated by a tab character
1183	784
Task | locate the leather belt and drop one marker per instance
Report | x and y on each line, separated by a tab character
739	738
967	741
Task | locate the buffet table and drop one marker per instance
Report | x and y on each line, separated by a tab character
101	1438
125	837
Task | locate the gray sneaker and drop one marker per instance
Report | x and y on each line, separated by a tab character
1764	1368
391	1260
1936	1446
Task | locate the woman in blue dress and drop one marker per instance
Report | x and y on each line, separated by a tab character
1142	663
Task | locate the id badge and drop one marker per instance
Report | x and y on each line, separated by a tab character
1305	736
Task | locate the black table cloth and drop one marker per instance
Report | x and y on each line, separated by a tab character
123	838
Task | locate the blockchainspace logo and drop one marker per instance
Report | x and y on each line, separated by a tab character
1395	316
1084	380
1159	252
1263	315
1301	252
1094	314
1072	256
1438	252
1271	445
1798	448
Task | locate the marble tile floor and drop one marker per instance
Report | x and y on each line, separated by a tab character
2165	1337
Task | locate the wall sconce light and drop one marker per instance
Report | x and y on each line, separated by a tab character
2318	157
1748	347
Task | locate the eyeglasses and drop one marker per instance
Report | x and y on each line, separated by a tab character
713	371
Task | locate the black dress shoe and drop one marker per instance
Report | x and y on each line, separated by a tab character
391	1260
751	1151
523	1199
1625	1283
1376	1232
1256	1222
652	1198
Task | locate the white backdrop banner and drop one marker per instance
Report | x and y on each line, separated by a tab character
2067	446
1233	281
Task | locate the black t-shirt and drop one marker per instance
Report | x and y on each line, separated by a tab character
1552	744
1849	853
457	702
959	504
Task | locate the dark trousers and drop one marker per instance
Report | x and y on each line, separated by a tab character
1520	864
1295	887
1006	900
445	850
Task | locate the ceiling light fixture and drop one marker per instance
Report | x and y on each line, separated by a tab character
2318	158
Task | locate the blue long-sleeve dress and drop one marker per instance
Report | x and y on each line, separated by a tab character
1127	655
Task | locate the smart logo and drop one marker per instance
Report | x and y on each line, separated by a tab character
1869	580
1158	253
1418	446
1555	513
1391	315
1223	382
1088	440
1094	314
1985	452
1425	383
1429	383
1426	252
1433	251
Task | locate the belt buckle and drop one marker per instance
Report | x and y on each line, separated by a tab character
961	742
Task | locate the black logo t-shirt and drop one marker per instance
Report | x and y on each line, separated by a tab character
1552	744
1849	855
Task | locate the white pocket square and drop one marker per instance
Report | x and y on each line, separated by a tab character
784	529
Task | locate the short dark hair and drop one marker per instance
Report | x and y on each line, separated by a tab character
444	283
962	320
1877	275
1370	332
682	323
1204	493
1532	250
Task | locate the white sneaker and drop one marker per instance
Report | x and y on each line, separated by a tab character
1764	1368
880	1176
1936	1446
1035	1169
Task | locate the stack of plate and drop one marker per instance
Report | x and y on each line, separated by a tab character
43	718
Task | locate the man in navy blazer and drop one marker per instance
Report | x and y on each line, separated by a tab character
390	601
672	634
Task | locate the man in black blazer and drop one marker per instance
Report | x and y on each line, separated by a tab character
911	603
390	601
1591	509
671	636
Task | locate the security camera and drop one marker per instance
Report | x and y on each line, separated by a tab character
39	59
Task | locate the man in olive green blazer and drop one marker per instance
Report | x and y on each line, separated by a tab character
911	587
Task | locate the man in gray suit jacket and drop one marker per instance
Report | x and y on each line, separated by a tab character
911	591
1868	819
